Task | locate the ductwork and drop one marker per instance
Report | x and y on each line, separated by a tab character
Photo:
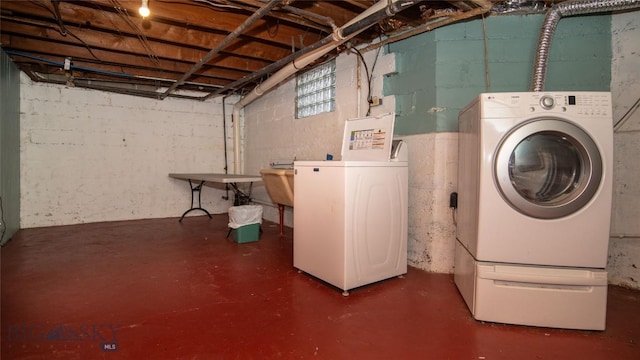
554	15
380	10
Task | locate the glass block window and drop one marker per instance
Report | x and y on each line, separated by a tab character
316	90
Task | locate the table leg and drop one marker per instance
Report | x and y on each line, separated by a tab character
241	198
195	189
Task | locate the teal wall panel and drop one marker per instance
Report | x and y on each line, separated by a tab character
441	71
9	147
413	93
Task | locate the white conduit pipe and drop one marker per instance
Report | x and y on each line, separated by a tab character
390	6
380	5
554	15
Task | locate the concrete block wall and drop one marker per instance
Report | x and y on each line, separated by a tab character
433	162
624	245
273	133
91	156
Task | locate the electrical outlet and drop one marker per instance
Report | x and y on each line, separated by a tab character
375	101
453	200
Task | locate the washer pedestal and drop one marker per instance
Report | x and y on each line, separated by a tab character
532	295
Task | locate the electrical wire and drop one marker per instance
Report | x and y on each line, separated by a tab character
41	24
272	33
373	67
366	70
486	54
122	12
56	11
61	64
211	3
369	76
626	116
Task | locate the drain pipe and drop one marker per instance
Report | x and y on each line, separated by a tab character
380	10
554	15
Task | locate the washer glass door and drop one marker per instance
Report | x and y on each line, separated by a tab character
547	168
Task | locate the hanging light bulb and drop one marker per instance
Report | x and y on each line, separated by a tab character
144	9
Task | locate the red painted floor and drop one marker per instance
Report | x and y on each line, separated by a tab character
158	289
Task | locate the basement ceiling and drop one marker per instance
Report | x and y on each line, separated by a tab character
189	48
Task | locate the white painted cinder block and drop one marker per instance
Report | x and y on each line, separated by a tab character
432	177
624	246
273	133
624	262
91	156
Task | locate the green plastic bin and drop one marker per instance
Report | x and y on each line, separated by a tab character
244	222
246	233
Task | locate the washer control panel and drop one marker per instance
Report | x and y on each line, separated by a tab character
587	103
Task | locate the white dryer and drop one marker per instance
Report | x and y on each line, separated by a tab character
534	206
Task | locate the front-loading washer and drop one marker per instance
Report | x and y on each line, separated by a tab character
534	206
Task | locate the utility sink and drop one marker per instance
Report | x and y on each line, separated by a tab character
279	184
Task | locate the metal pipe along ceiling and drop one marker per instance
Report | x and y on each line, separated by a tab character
554	15
269	68
379	11
309	49
483	7
232	36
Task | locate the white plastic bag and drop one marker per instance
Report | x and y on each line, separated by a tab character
244	215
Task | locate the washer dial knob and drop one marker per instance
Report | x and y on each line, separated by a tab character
547	102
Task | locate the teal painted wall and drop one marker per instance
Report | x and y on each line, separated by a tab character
441	71
9	147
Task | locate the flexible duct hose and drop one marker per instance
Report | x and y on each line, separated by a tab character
554	15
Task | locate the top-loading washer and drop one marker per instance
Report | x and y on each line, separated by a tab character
536	178
350	216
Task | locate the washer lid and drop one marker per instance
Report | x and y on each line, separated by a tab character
368	138
548	168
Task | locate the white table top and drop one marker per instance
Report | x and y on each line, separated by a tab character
218	178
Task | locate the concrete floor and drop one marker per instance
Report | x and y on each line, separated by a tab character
159	289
